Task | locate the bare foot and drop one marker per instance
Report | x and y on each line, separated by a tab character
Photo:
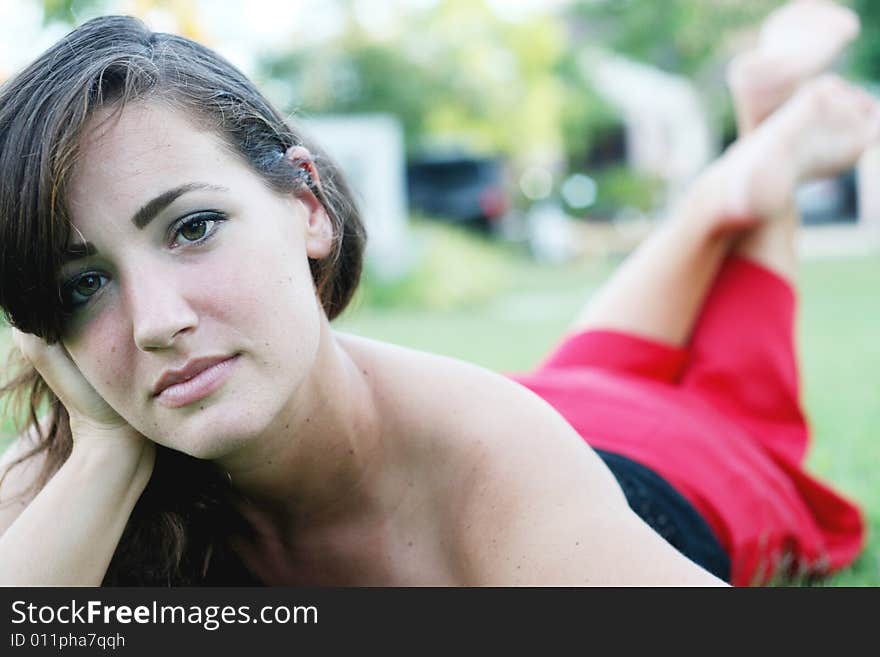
820	131
797	42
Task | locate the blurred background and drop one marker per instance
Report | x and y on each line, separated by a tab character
507	154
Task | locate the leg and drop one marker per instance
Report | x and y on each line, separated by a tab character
742	353
834	123
658	292
797	42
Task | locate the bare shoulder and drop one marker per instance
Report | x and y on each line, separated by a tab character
475	418
460	407
18	480
521	498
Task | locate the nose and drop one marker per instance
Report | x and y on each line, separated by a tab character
159	311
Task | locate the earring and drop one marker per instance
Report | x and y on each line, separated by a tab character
305	176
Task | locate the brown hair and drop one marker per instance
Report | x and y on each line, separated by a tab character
106	63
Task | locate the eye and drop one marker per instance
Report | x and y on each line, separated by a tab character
195	228
77	291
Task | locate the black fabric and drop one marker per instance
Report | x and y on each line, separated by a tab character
668	513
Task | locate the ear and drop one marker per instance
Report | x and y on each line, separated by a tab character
319	228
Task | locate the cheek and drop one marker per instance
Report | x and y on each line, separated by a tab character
103	352
273	307
266	286
265	298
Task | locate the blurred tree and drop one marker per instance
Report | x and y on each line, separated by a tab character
455	74
865	60
357	77
678	36
459	75
692	38
65	11
72	12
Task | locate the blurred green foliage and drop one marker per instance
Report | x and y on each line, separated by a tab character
679	36
457	76
619	187
65	11
866	49
439	281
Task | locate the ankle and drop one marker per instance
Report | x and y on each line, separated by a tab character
711	207
758	174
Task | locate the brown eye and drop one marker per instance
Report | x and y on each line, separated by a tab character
194	230
88	285
79	290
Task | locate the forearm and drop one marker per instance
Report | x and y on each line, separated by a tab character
67	535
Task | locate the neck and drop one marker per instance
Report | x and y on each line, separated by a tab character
318	459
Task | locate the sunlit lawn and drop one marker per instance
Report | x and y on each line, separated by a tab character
840	318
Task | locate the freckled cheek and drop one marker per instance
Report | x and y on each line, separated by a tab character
104	353
263	287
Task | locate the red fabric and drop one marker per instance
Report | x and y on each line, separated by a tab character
720	420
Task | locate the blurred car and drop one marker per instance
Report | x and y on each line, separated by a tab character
462	190
829	200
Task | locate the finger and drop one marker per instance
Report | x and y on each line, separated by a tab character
865	101
87	409
54	365
864	106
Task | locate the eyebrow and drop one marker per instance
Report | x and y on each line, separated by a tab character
149	210
77	251
143	216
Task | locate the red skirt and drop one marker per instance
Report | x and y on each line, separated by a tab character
720	420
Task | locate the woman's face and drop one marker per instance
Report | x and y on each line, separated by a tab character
194	311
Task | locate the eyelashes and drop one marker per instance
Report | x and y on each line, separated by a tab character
193	230
77	291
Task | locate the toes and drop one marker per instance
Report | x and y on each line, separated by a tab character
864	102
824	93
832	95
827	23
797	42
833	122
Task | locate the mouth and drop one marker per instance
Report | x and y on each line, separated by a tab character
194	381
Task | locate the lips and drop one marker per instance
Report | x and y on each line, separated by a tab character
195	380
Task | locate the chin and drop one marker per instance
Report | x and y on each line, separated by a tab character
208	447
211	432
232	419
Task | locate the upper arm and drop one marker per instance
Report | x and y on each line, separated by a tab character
540	508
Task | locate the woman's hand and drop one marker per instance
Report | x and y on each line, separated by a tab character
91	418
67	534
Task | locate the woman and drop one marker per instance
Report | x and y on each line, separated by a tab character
173	253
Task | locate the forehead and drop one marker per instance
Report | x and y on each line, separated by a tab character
126	158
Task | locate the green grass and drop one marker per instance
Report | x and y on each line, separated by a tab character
840	351
504	312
